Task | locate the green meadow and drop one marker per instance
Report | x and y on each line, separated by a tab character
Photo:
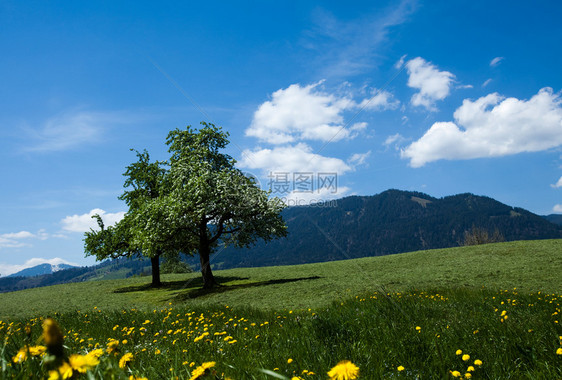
489	311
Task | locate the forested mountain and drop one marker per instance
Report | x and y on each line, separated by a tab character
391	222
554	218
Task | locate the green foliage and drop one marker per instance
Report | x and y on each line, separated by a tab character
209	201
174	265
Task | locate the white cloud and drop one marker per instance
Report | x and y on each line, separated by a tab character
395	139
291	159
7	269
558	184
358	159
85	222
432	83
557	208
492	126
486	82
297	113
398	65
380	100
19	239
496	61
316	197
300	113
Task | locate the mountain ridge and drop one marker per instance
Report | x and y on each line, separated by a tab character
393	221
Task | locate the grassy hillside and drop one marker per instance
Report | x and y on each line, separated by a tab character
526	265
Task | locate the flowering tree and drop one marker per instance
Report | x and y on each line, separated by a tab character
145	181
208	202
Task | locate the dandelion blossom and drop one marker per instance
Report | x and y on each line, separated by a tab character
559	351
82	363
465	357
125	360
344	370
459	352
200	371
21	356
37	350
64	372
400	368
478	362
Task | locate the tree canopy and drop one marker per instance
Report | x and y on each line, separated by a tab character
197	202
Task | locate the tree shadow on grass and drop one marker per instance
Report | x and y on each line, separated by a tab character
196	282
200	292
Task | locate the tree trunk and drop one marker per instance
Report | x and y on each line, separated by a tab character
155	261
204	254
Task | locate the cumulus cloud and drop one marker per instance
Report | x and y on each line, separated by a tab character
20	239
291	159
432	83
557	208
496	61
492	126
558	184
85	222
299	113
8	269
295	198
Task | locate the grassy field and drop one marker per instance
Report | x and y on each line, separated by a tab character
483	312
527	265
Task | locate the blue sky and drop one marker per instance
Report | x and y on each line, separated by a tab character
441	97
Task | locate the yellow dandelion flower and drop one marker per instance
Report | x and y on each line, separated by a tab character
344	370
470	369
37	350
465	357
125	360
289	360
21	356
112	346
97	353
400	368
455	374
82	363
478	362
200	371
63	372
459	352
467	375
559	351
